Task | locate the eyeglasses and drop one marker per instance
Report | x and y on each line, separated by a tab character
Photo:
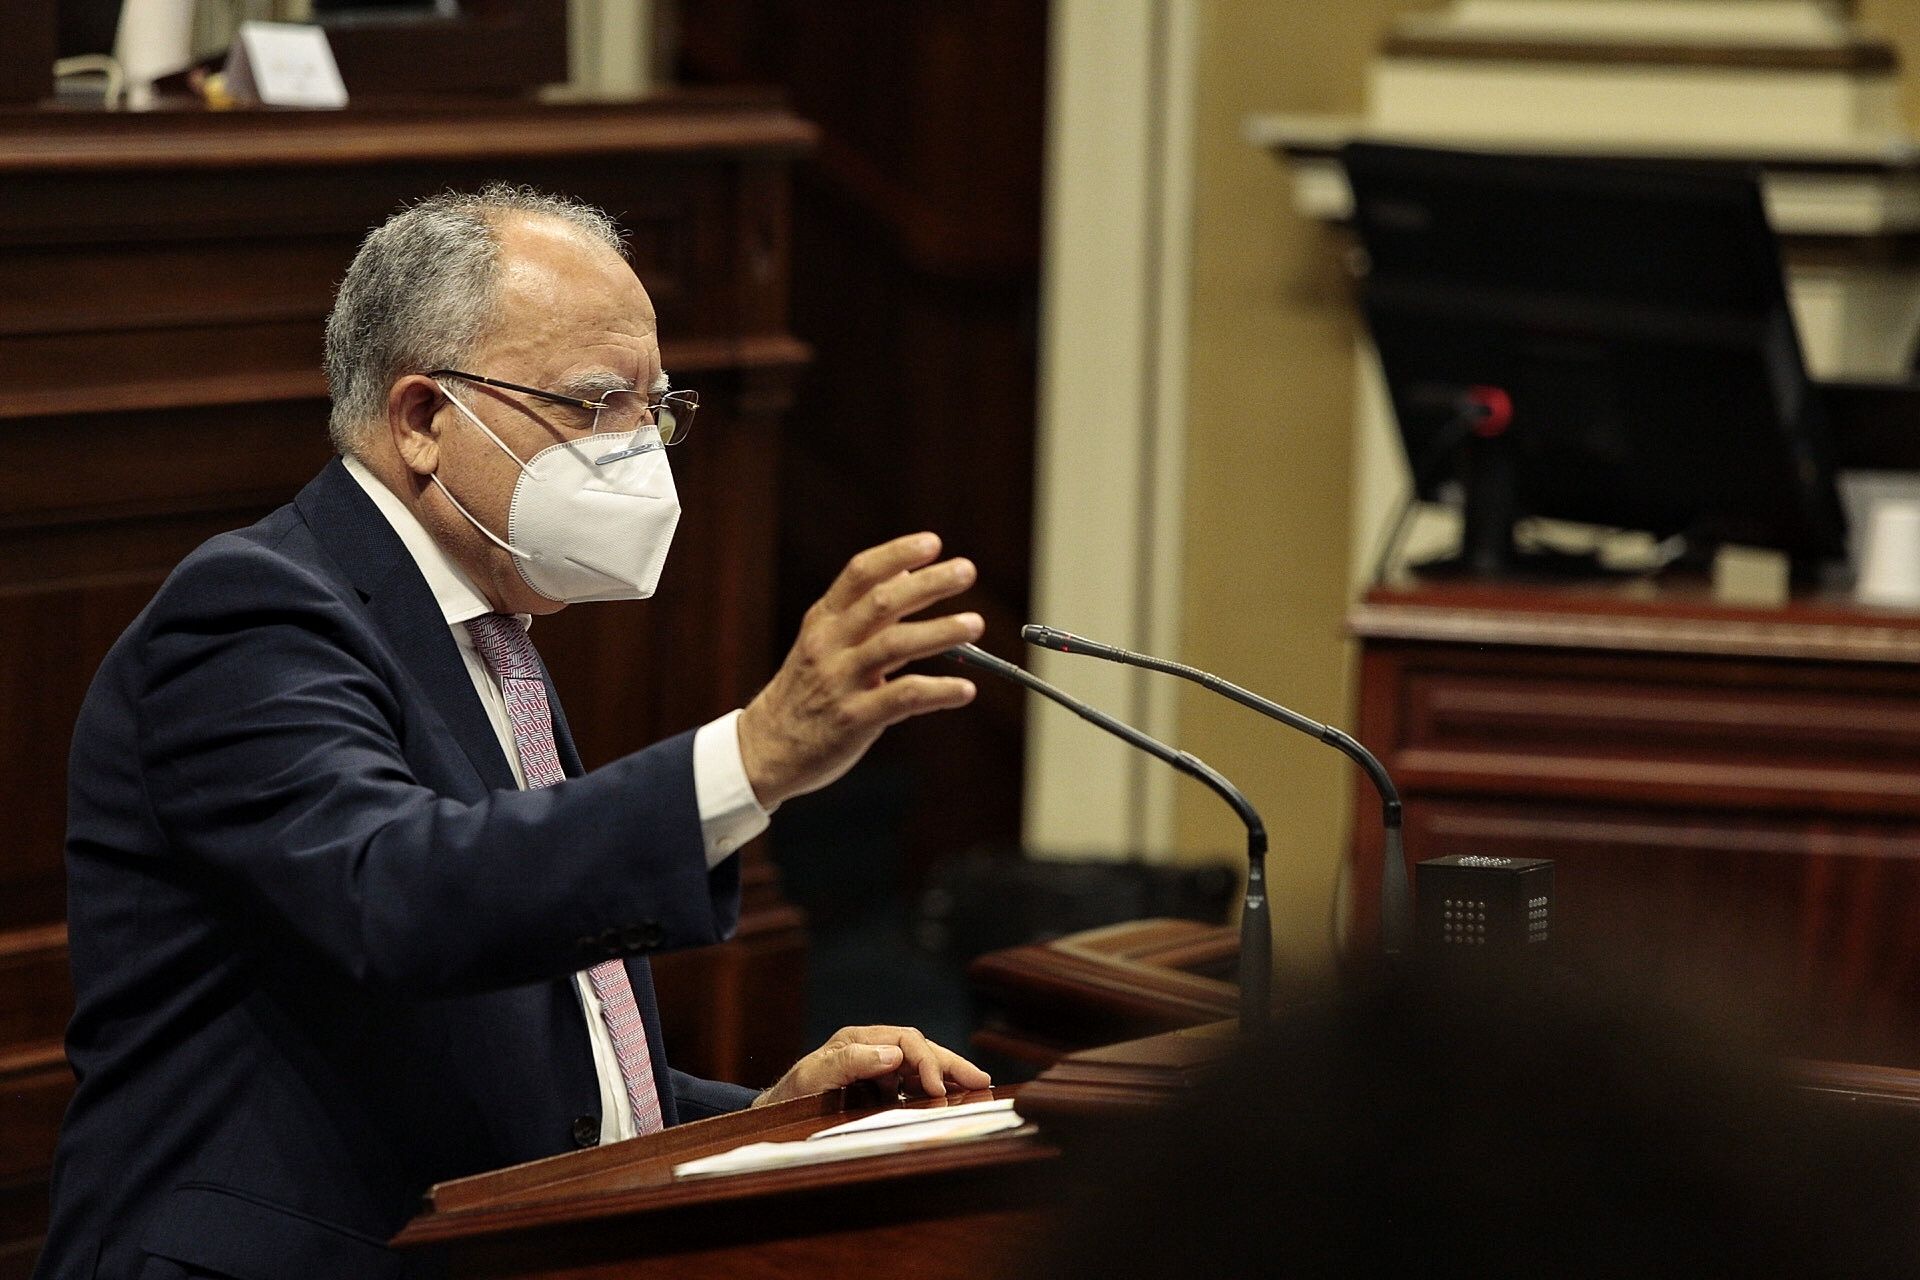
614	412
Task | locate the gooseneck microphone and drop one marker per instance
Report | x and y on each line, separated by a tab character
1256	927
1396	905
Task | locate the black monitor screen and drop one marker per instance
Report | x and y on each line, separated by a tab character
87	26
1634	316
331	11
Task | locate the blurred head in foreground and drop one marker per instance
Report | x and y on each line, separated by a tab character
1422	1130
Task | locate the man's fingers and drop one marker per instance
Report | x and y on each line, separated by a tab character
900	1056
935	1064
868	1061
908	641
907	593
904	697
831	696
921	1060
959	1070
877	564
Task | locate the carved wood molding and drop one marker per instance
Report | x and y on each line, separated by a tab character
33	969
1863	55
1439	771
518	133
1132	1076
1139	972
1105	985
189	390
1895	641
1858	1082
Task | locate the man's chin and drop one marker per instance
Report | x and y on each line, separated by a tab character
515	596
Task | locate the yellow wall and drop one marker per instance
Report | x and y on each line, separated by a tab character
1899	21
1269	449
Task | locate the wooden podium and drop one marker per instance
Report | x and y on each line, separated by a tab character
966	1210
962	1210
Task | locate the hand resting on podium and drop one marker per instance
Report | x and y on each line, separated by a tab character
899	1058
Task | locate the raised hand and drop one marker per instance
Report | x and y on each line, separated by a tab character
833	697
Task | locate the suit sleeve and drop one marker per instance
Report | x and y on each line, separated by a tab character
271	742
699	1099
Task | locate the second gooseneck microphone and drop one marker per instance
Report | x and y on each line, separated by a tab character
1256	927
1396	904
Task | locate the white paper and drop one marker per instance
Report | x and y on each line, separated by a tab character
284	64
759	1156
912	1115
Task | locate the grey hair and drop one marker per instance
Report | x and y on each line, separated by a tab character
419	294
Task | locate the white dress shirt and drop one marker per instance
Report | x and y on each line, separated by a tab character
730	815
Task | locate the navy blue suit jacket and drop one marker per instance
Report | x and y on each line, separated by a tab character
321	944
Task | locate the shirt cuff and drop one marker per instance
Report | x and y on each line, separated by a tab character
730	815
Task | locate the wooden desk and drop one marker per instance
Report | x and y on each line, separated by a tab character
1729	794
165	281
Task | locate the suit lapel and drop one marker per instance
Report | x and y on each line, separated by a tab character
372	557
562	736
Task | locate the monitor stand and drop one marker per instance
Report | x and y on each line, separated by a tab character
1489	552
1489	514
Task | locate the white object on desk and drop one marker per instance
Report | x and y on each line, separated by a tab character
284	64
1890	556
154	39
912	1115
942	1128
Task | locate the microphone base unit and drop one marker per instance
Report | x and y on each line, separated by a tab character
1475	913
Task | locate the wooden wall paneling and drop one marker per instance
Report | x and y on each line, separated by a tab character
33	1096
916	263
91	288
34	984
489	46
27	54
35	993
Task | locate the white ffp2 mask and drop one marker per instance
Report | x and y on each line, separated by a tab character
579	530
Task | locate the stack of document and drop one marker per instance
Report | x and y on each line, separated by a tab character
879	1134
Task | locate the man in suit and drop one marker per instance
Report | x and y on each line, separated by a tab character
347	916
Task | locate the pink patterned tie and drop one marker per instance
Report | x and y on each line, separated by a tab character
502	643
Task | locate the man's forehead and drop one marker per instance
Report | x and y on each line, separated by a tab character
551	265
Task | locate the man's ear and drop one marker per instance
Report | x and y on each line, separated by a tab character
413	416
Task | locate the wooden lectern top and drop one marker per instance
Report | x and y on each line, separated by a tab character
961	1209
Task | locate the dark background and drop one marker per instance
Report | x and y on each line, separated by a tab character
916	280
